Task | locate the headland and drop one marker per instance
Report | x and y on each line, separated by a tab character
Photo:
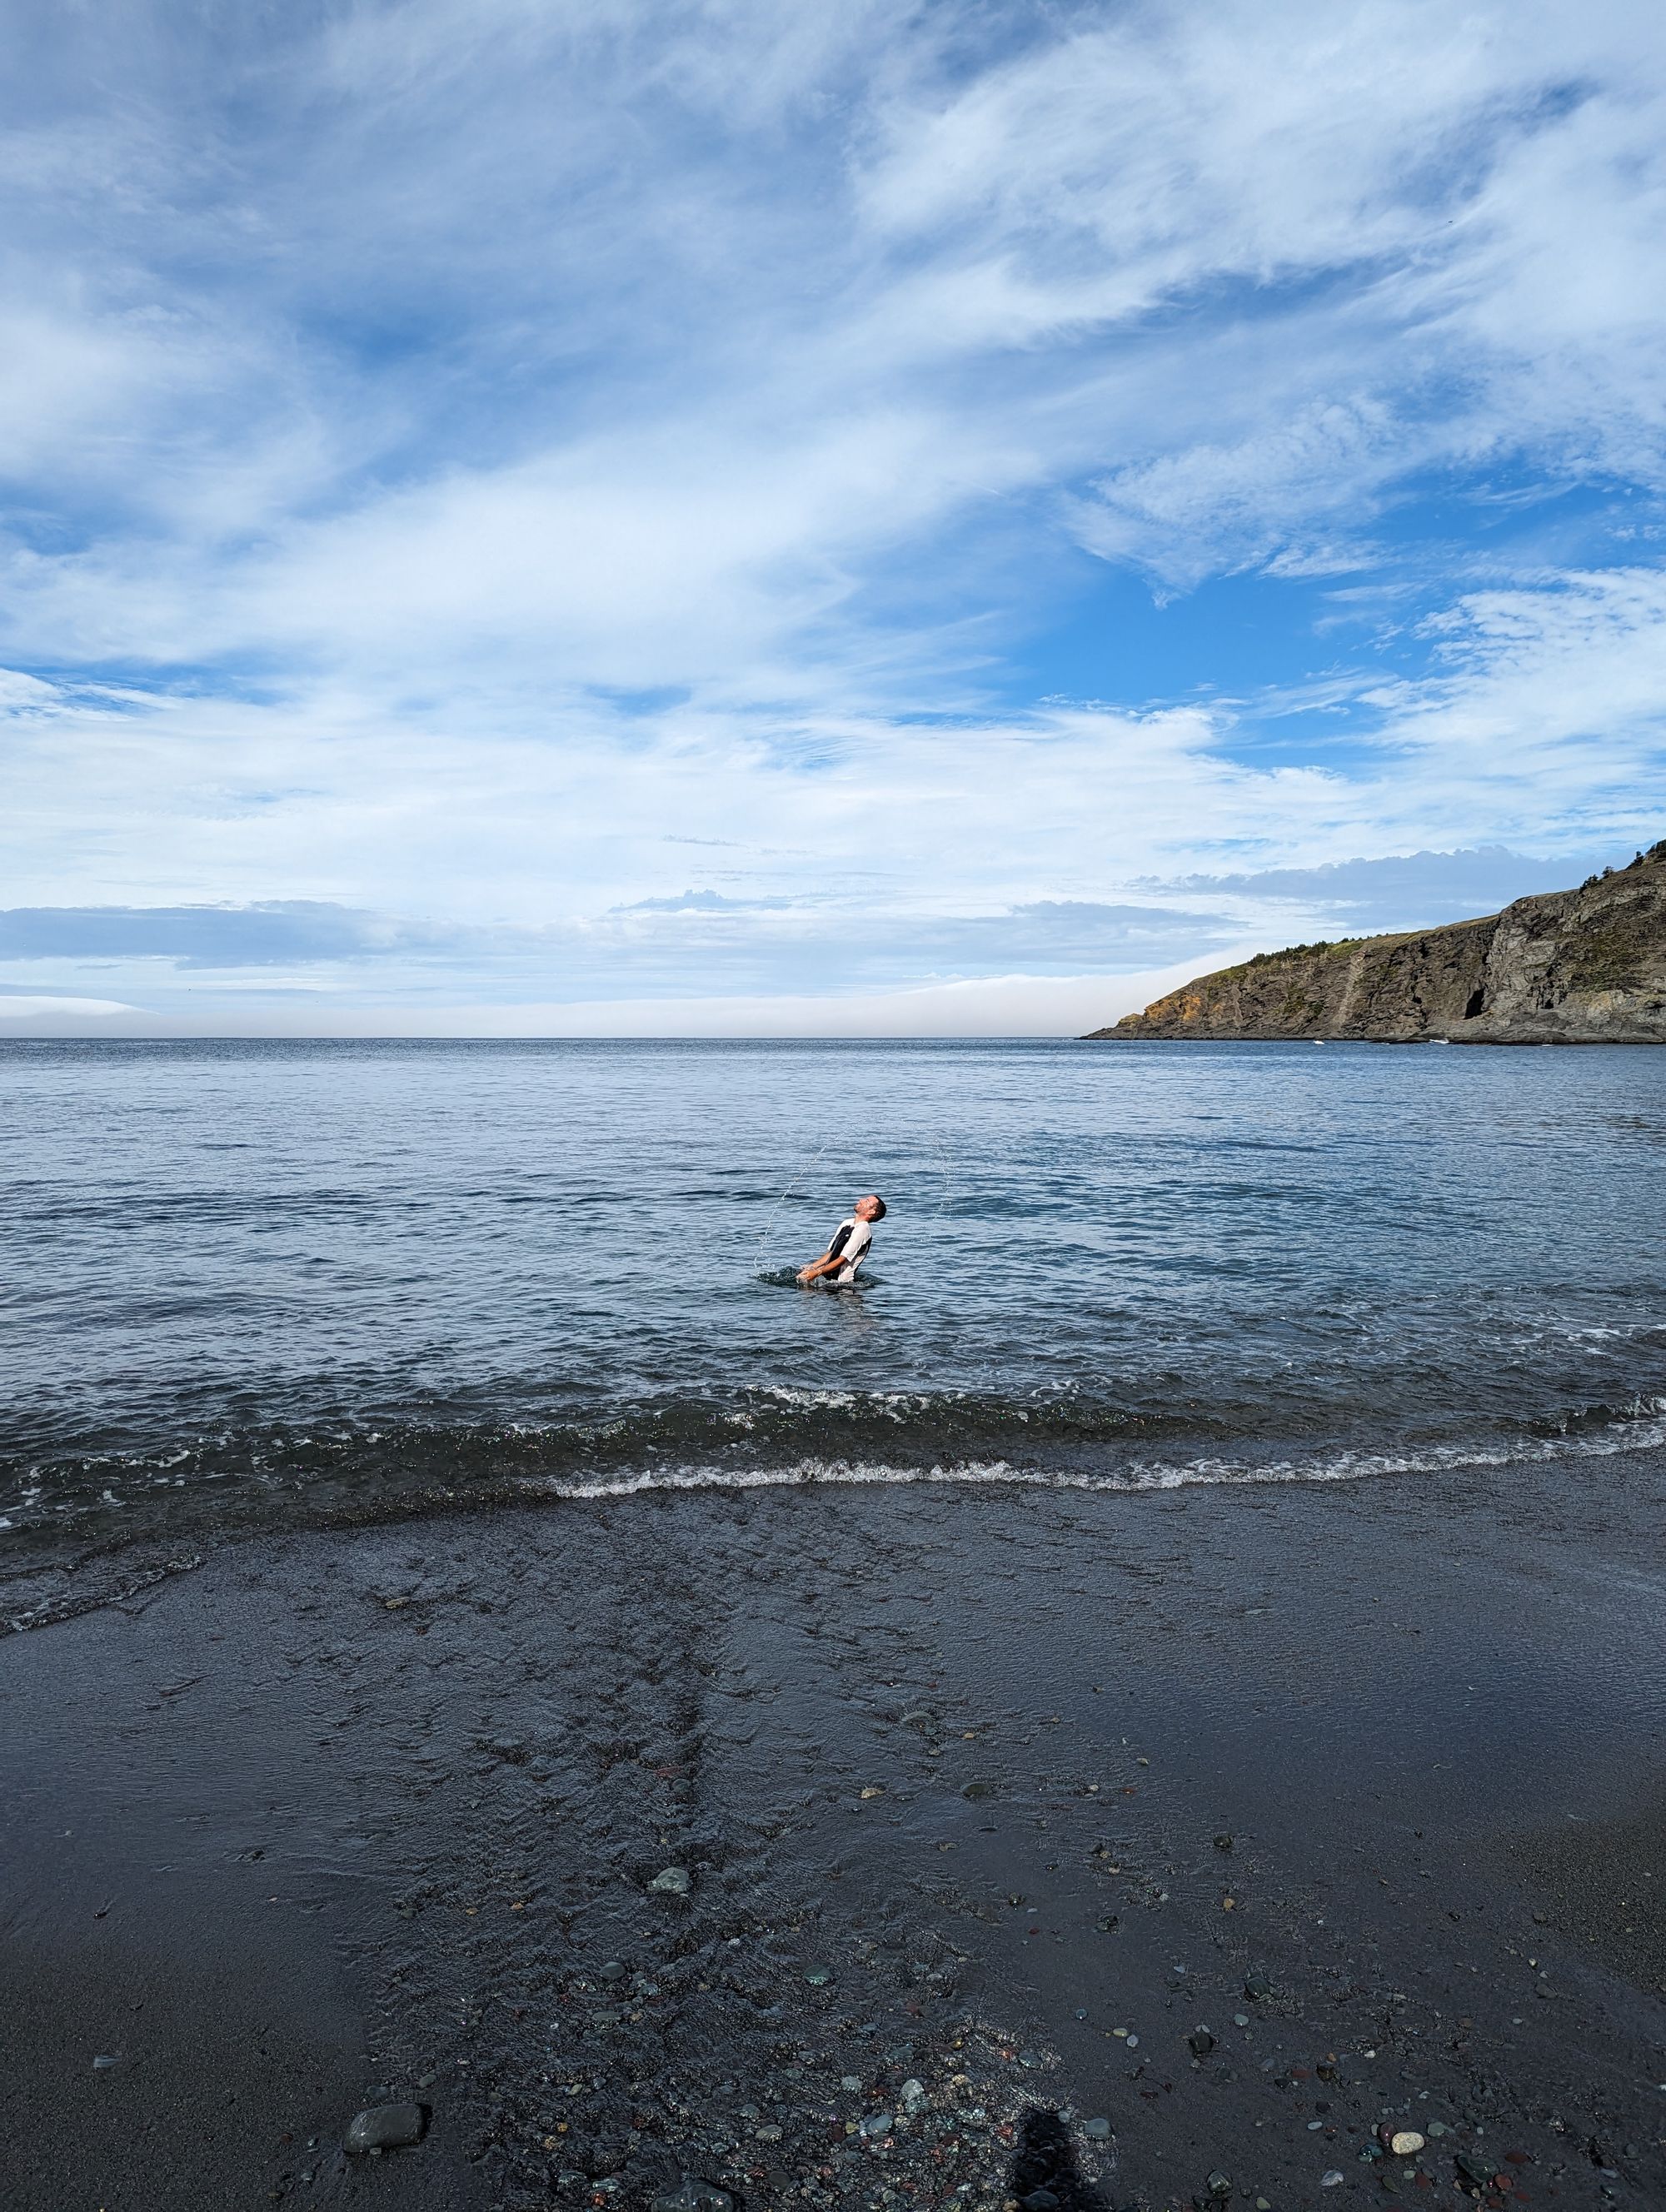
1577	967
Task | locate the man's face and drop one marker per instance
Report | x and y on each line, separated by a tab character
866	1208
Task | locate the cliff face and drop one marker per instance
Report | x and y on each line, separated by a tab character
1579	967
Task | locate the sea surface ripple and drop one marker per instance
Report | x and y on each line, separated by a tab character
258	1282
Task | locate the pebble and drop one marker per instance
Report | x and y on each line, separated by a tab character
1201	2042
1219	2184
912	2096
819	1976
877	2124
850	2081
1404	2142
386	2127
1240	2020
1333	2179
692	2195
1098	2131
103	2060
674	1883
614	1970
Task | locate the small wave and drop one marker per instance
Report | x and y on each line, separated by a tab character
1635	1434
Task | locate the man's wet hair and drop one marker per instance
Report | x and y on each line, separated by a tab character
880	1203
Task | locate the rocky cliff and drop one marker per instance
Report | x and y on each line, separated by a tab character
1579	967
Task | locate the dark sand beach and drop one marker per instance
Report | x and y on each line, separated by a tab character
1230	1826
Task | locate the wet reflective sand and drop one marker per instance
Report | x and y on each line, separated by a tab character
1247	1821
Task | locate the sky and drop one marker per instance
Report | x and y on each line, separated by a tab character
638	517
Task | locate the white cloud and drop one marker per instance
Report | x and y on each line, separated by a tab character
455	450
36	1008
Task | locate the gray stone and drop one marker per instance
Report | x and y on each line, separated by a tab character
674	1883
613	1972
1201	2043
1098	2131
387	2127
101	2061
692	2195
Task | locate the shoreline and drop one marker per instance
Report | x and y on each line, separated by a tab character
47	1584
380	1809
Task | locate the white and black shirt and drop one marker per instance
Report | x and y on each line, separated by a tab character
849	1242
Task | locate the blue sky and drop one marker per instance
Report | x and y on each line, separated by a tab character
521	519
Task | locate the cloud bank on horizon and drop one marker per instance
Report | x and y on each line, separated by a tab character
682	514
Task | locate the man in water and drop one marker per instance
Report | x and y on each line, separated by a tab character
838	1264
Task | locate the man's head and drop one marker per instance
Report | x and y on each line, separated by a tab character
870	1209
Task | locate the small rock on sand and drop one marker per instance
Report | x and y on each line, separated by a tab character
691	2196
674	1883
387	2127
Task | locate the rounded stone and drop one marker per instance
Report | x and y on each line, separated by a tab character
386	2127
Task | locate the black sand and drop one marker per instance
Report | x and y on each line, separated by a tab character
346	1817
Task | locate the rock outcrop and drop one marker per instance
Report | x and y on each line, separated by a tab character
1579	967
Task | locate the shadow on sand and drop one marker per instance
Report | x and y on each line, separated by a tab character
1045	2172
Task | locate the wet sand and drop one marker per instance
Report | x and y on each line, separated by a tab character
1228	1825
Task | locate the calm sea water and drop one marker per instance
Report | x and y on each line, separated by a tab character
251	1280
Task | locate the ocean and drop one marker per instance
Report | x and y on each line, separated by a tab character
259	1284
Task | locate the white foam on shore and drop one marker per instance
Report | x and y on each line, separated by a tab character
1639	1434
